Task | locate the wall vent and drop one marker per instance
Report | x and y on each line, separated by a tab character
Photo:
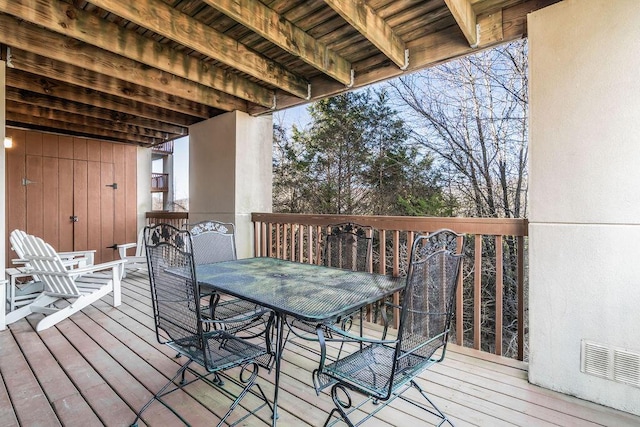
613	363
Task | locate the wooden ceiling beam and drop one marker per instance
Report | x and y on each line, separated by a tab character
79	119
52	45
32	63
59	104
47	87
463	13
161	18
65	19
364	19
44	124
274	27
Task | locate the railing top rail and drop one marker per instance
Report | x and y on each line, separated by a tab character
167	215
488	226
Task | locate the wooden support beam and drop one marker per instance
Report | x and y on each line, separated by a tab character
47	87
156	16
69	106
27	61
44	124
264	21
464	15
79	119
364	19
64	49
65	19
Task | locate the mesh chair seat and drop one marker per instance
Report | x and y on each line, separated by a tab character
223	348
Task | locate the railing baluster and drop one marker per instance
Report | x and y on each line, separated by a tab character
396	272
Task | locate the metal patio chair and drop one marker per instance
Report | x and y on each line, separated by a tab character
213	242
347	246
384	369
180	324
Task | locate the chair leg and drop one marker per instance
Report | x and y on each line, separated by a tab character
248	384
163	392
436	411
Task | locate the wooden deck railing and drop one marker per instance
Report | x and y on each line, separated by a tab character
177	219
159	182
490	307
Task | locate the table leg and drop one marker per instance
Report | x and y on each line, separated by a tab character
279	349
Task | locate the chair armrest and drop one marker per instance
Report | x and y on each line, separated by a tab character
97	267
348	337
122	249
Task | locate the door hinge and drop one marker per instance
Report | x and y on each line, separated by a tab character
114	185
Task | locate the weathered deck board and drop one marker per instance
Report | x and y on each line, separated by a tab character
102	364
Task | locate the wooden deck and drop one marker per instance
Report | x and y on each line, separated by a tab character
102	364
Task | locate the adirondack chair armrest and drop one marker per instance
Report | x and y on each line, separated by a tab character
122	249
83	257
19	261
97	267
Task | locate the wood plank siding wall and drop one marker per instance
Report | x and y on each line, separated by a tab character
52	178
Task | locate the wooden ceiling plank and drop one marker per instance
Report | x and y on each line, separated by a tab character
32	63
364	19
53	88
63	18
463	13
70	106
39	123
428	51
52	45
268	24
81	119
161	18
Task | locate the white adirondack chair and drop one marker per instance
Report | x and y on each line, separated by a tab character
79	287
135	262
21	294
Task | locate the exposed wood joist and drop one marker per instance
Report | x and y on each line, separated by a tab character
436	48
32	98
89	122
364	19
463	13
51	87
64	49
48	125
155	16
65	19
267	23
36	64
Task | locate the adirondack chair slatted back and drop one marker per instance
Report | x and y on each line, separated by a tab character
16	238
42	257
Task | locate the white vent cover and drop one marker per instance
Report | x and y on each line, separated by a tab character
613	363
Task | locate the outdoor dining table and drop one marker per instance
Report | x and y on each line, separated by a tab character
307	292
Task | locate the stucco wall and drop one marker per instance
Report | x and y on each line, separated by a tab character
584	224
230	172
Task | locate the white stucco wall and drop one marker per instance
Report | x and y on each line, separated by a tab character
144	185
230	172
584	223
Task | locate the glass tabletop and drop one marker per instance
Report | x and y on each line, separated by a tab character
308	292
